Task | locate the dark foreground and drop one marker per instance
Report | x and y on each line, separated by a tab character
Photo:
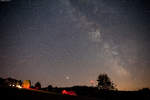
30	94
24	94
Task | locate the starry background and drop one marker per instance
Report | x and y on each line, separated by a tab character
70	42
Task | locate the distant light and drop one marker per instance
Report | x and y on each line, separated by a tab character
13	85
67	77
18	86
10	85
92	81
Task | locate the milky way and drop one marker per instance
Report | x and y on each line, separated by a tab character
70	42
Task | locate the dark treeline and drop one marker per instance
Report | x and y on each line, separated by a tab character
105	89
142	94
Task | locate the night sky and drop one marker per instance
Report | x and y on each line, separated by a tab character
70	42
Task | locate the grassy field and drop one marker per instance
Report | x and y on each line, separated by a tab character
24	94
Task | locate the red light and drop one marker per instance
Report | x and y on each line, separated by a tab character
69	93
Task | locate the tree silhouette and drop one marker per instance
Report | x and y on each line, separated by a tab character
50	87
38	85
2	81
104	82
